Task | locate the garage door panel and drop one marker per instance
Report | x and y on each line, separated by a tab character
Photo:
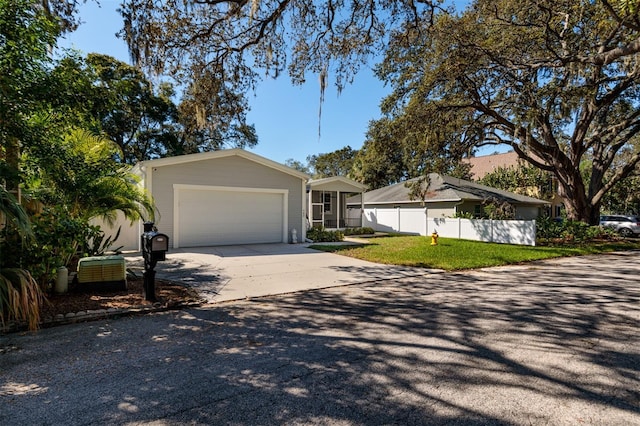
214	217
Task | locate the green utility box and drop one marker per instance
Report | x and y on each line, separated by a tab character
102	273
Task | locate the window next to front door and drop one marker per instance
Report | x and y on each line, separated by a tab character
326	198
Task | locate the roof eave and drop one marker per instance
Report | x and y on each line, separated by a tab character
445	200
315	182
203	156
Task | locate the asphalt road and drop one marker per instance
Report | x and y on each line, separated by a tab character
556	342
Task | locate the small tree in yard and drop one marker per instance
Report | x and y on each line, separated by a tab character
92	185
498	210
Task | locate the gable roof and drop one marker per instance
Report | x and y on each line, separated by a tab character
337	179
202	156
442	188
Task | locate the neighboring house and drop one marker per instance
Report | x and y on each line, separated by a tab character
222	198
327	204
445	196
485	164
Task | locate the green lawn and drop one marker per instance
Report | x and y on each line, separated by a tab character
454	254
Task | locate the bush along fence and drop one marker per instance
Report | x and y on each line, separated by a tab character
416	222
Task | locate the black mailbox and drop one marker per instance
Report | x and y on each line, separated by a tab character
155	246
154	249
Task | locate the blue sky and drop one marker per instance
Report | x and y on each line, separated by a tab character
285	116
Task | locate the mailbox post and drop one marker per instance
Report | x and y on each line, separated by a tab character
154	248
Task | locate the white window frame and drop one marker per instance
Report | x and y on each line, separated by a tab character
325	203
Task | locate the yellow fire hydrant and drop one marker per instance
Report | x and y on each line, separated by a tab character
434	239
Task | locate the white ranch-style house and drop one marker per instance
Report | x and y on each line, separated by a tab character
391	209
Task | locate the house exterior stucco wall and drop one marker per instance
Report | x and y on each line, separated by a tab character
230	171
527	212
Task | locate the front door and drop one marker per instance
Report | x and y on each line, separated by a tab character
317	215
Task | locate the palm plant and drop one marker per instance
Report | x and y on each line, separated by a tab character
73	178
20	295
77	178
11	210
93	184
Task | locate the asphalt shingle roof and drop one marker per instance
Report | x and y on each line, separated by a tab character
443	188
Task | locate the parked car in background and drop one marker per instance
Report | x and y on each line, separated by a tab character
626	226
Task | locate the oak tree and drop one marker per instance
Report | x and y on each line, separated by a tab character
225	46
555	80
113	98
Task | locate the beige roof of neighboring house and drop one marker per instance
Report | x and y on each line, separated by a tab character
481	166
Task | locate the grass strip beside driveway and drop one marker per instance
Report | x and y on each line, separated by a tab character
453	254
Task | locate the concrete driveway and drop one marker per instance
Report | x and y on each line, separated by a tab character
226	273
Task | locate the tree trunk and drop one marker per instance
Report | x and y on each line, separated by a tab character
13	161
577	205
594	215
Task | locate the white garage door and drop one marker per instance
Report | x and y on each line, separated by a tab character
206	217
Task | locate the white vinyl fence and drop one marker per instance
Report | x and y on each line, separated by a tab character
415	221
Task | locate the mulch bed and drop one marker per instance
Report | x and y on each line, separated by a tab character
168	294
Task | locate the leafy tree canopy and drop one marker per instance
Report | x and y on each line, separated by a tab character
225	46
110	97
213	124
25	35
116	99
231	38
297	165
555	80
336	163
63	12
403	147
523	179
